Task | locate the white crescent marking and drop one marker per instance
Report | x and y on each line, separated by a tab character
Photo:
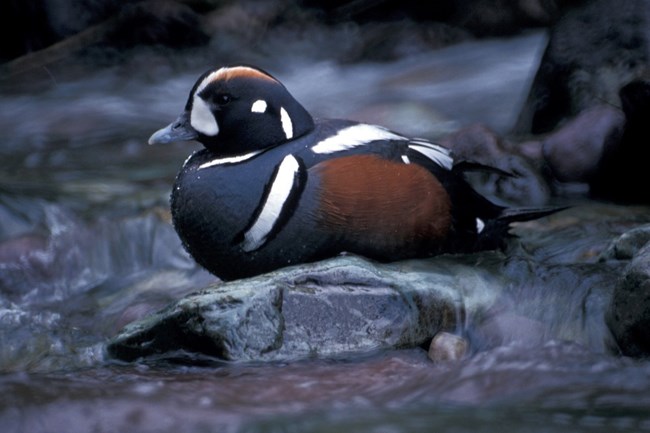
287	124
279	193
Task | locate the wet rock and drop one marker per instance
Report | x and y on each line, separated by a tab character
623	168
573	152
594	49
447	347
327	309
626	246
478	143
628	316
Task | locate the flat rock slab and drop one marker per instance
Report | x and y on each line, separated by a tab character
326	309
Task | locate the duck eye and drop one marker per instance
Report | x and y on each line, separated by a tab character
223	98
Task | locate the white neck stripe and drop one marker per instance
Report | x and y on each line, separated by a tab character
229	160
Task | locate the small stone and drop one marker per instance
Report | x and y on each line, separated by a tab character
626	246
447	347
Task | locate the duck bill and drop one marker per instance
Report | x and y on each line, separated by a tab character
178	130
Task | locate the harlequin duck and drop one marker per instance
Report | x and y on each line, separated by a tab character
274	187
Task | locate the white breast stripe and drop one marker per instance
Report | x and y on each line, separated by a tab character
287	125
435	153
353	136
280	190
406	159
229	160
259	106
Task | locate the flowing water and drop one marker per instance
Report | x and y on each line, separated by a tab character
86	247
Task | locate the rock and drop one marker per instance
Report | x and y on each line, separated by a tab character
573	152
623	168
348	305
628	316
478	143
594	49
447	347
327	309
605	148
626	246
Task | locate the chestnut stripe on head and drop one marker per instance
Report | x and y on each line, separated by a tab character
400	209
228	73
276	205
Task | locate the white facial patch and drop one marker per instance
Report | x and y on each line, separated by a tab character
287	124
259	106
354	136
434	152
278	195
202	119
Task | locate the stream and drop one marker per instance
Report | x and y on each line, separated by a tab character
86	246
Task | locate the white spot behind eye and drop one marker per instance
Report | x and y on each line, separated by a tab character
202	119
258	106
287	125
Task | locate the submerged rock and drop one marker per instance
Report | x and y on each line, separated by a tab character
628	316
627	245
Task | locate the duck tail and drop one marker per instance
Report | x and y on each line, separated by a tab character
496	231
511	215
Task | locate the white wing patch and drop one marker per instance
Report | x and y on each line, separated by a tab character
287	124
278	194
354	136
434	152
229	160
